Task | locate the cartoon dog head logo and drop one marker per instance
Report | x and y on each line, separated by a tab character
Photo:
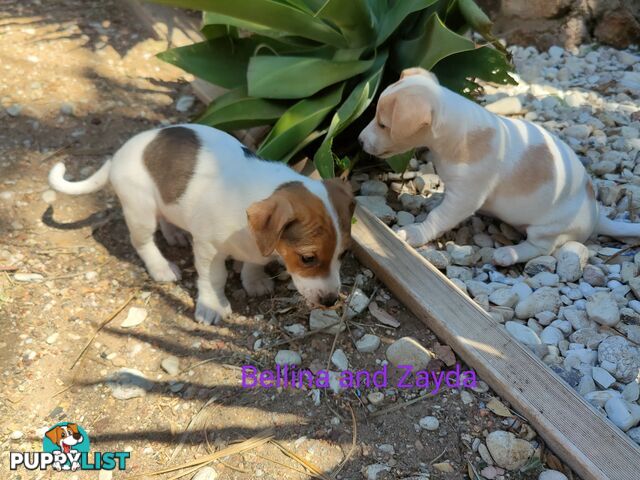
68	438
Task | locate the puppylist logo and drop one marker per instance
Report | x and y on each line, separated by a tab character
65	446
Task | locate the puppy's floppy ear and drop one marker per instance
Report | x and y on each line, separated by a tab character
341	196
407	72
411	112
73	427
54	435
267	220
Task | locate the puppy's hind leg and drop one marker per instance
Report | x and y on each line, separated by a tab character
539	242
255	281
141	221
212	305
172	234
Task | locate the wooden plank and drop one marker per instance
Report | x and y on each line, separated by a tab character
573	429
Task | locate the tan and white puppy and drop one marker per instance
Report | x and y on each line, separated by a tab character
510	169
65	437
204	182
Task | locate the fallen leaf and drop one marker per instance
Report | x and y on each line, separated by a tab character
382	316
135	317
497	407
443	467
444	353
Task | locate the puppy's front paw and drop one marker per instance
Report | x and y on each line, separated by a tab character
413	235
212	313
505	256
166	273
258	284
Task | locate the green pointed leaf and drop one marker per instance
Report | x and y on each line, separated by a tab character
297	77
354	18
268	14
310	138
236	110
325	160
400	162
222	61
297	123
484	62
435	43
396	15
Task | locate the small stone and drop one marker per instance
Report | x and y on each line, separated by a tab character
594	276
542	300
634	434
53	338
49	196
127	383
375	471
28	277
522	334
378	207
483	240
603	308
571	259
296	329
171	365
536	265
522	290
288	357
184	103
466	397
135	317
621	353
91	275
552	475
357	303
602	377
14	110
325	319
504	297
375	398
374	188
505	106
551	336
368	343
577	318
67	108
407	351
405	218
206	473
412	203
631	392
429	423
436	258
463	273
619	412
464	256
543	279
340	360
483	451
507	450
16	435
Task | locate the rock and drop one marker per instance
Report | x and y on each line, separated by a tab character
436	258
375	471
571	259
634	283
543	299
634	434
623	355
536	265
206	473
505	106
522	334
543	279
484	454
296	329
171	365
53	338
579	131
325	319
621	414
598	398
594	276
603	308
577	318
412	203
407	351
14	110
444	467
618	27
589	337
476	288
382	316
504	297
135	317
551	336
466	397
552	475
288	357
522	290
483	240
28	277
184	103
507	450
368	343
405	218
632	332
378	207
357	303
429	423
340	360
463	255
49	196
631	392
602	377
16	435
374	188
127	383
375	398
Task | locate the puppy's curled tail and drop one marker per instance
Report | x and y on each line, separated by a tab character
92	184
615	229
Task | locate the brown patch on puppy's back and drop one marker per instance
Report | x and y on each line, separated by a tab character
534	169
476	146
171	159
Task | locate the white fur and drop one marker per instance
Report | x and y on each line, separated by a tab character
557	212
212	210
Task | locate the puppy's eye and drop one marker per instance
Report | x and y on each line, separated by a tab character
308	260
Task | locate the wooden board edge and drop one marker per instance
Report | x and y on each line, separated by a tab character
625	455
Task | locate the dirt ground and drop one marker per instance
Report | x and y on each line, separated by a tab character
77	78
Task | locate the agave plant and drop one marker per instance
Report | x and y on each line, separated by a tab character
311	68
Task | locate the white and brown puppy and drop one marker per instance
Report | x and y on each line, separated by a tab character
510	169
65	437
203	181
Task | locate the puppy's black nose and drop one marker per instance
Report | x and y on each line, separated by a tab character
329	299
361	141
